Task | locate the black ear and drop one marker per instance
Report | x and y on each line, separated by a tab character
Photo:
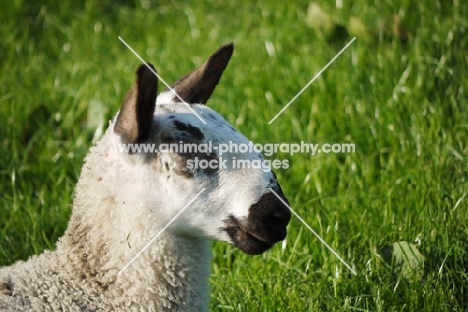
197	86
135	118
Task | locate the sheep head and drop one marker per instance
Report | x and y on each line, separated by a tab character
237	204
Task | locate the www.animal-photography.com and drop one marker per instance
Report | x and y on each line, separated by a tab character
233	156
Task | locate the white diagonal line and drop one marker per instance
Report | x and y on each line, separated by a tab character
162	80
313	79
159	233
315	233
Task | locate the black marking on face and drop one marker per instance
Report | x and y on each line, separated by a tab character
263	227
212	116
194	132
182	160
243	240
182	135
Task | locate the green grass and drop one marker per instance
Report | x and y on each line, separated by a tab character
399	93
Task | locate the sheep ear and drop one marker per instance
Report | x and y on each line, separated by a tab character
197	86
135	118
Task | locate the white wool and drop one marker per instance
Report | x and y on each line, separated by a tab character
113	212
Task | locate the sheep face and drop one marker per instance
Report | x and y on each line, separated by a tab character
183	156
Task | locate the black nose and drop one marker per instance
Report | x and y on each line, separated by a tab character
280	214
281	218
269	217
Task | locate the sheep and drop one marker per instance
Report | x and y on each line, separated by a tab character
125	197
